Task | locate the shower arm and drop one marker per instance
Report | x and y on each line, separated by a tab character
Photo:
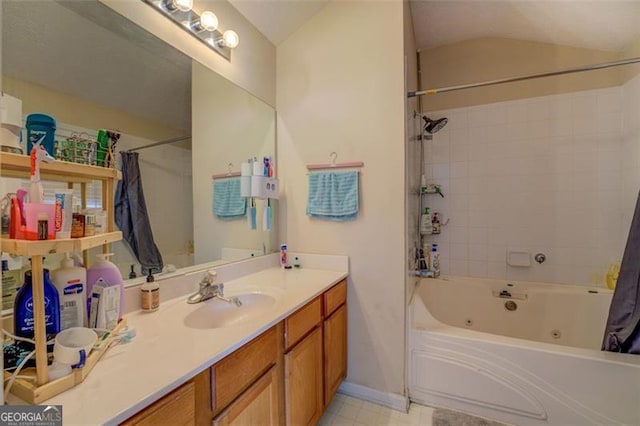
525	77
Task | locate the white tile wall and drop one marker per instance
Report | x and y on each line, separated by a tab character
555	174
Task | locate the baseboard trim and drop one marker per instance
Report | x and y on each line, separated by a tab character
388	399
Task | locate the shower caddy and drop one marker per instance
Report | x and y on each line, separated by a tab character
17	166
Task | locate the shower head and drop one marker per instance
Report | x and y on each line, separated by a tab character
432	126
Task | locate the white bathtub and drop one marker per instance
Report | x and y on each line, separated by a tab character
538	364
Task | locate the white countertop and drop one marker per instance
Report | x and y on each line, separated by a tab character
166	353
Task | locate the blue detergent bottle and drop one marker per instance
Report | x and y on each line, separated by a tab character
23	323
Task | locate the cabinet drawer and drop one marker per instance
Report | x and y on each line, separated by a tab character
235	373
334	297
177	408
300	323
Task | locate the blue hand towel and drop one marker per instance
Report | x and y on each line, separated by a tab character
227	202
333	196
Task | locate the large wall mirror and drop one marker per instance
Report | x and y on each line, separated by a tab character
91	69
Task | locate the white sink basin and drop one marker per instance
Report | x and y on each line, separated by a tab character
216	313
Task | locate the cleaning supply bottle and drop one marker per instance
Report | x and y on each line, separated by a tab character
612	275
71	283
109	275
23	308
426	226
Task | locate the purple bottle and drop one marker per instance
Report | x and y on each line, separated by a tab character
109	273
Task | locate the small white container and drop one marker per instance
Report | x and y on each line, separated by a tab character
69	344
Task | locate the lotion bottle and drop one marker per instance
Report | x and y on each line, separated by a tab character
71	283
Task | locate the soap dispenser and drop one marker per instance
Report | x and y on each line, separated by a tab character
150	295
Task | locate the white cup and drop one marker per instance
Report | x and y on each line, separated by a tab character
72	346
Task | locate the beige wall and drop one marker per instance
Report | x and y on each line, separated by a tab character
229	126
630	71
252	64
340	87
82	113
493	58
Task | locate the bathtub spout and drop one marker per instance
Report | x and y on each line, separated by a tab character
505	293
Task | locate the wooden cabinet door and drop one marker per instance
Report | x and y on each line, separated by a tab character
258	405
177	408
303	381
335	352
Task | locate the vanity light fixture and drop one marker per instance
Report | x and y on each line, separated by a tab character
204	27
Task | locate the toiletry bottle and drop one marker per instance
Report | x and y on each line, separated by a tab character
426	226
71	283
150	294
296	262
434	261
109	274
283	255
23	308
10	284
436	223
612	275
43	226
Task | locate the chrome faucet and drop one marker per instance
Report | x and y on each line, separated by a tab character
209	289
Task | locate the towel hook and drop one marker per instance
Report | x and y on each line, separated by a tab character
334	157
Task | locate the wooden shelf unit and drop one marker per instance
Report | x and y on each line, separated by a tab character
44	247
18	166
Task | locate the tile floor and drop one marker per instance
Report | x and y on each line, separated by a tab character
348	411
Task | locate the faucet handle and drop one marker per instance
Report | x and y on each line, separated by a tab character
209	279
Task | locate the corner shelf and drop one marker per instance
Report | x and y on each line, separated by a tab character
44	247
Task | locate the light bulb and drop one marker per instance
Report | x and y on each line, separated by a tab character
183	5
230	39
209	21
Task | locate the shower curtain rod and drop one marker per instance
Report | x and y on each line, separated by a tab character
168	141
524	77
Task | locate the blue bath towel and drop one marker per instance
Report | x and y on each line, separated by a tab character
333	196
227	202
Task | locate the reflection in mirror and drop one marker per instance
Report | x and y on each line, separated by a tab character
92	69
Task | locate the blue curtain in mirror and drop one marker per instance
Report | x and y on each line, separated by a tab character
132	218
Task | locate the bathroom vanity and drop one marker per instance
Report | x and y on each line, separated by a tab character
280	361
287	375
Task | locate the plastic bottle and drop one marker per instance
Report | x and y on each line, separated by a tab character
434	261
426	226
150	295
23	308
71	283
109	273
10	283
436	223
283	255
612	275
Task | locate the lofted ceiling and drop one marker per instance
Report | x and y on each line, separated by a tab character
278	19
594	24
602	24
84	49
